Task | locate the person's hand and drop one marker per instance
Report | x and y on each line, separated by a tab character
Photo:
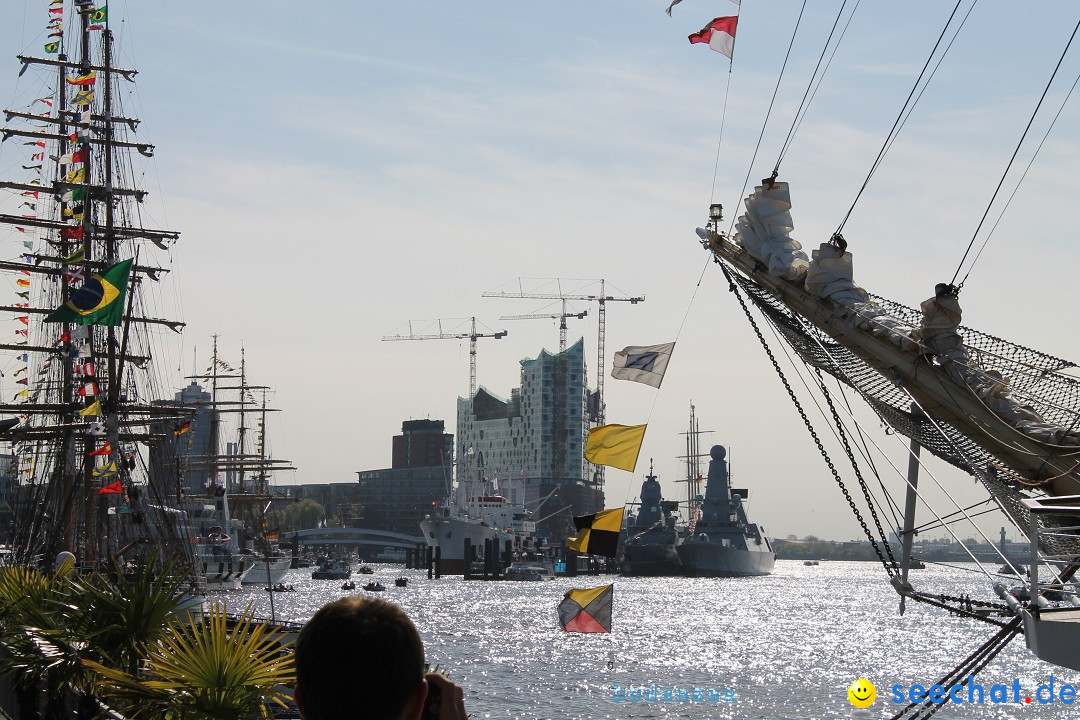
445	700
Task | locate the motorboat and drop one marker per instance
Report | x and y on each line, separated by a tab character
529	571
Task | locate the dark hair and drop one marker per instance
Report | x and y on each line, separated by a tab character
359	651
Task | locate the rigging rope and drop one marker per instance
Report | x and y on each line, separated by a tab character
1012	159
768	112
901	118
967	669
804	104
734	288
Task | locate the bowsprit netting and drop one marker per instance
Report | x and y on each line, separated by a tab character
1034	377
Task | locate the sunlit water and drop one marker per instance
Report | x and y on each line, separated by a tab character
788	645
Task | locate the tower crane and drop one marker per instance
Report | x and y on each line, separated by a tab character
452	333
602	298
560	316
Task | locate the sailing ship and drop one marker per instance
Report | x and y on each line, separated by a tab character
82	424
1007	415
223	464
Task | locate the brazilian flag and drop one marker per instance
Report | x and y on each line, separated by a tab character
52	47
99	302
100	14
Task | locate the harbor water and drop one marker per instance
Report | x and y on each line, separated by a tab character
787	645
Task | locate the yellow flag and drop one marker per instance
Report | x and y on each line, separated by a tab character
93	410
616	446
105	470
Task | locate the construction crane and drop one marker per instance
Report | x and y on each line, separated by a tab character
561	317
602	298
453	333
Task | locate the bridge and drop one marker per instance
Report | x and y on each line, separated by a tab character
355	536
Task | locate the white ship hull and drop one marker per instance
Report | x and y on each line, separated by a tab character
449	534
258	575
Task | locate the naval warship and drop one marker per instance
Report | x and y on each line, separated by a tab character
650	541
724	542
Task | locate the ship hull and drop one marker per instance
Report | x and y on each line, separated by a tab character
651	559
278	566
226	574
448	536
704	559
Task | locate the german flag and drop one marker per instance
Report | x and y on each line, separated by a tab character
587	609
598	534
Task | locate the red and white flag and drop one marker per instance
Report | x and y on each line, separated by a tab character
719	34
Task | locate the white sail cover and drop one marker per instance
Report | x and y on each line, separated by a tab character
764	230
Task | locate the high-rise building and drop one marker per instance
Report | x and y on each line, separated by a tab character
531	447
397	498
183	440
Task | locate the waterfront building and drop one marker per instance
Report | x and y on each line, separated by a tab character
530	448
397	498
184	440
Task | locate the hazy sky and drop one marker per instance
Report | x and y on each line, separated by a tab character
337	169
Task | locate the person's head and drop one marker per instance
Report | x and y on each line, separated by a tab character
361	653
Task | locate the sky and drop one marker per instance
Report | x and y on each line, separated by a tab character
339	169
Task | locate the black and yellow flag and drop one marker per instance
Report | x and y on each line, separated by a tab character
99	302
598	534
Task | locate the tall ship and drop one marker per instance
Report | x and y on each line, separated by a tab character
225	459
88	350
651	539
1004	414
724	543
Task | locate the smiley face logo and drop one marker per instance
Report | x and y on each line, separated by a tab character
862	693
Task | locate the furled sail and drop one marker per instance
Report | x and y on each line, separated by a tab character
1002	412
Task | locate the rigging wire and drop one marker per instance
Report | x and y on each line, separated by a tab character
768	112
905	110
832	56
804	104
1011	160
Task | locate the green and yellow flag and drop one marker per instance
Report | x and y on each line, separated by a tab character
598	534
616	446
99	302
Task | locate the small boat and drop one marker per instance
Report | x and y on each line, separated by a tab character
331	570
365	570
348	586
375	587
811	562
529	571
401	582
281	587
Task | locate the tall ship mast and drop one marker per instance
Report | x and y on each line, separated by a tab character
81	424
229	468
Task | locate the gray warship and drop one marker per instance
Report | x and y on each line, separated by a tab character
650	543
724	542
